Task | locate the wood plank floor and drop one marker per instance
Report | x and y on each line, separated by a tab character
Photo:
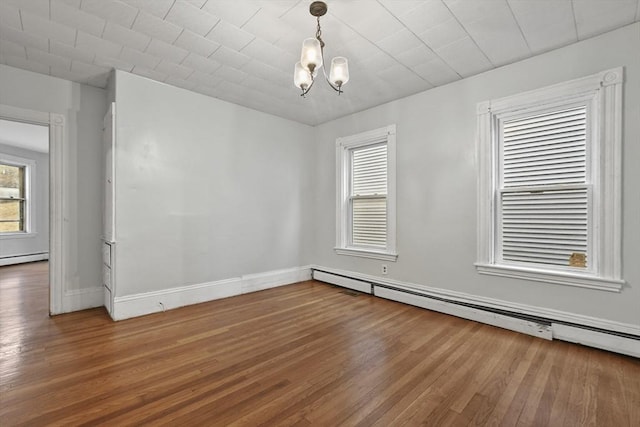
305	354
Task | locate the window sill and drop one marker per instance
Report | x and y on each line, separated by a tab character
557	277
368	253
17	235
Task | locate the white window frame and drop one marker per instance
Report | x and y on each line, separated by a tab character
29	189
602	94
344	145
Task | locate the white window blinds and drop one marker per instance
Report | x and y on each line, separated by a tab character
544	198
368	197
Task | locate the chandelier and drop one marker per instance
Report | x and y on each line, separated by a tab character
312	59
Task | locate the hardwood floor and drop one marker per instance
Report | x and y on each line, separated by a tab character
305	354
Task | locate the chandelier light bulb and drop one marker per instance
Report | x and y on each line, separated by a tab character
339	74
301	77
311	56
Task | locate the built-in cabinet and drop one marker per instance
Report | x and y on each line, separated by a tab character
108	228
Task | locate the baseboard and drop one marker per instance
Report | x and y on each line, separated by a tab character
152	302
82	299
519	325
452	302
21	259
596	339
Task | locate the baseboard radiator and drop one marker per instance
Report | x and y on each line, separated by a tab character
545	328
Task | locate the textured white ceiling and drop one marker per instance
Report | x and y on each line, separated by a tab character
243	51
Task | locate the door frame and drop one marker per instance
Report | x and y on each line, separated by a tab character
56	124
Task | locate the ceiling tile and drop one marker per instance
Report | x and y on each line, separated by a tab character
469	11
48	59
167	51
137	58
464	57
156	28
230	36
126	37
196	3
596	16
75	18
443	34
201	64
10	48
172	69
71	52
158	8
190	17
418	55
96	44
427	14
37	25
229	74
230	57
270	54
237	14
399	42
23	38
267	26
436	72
37	7
545	25
118	64
498	36
111	10
10	16
196	44
150	74
184	84
203	79
88	69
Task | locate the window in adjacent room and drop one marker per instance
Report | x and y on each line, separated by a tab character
366	194
549	196
14	195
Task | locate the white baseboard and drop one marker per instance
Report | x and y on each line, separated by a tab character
152	302
596	339
482	316
617	344
345	282
82	299
20	259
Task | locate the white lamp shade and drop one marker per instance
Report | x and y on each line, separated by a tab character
311	54
339	74
301	77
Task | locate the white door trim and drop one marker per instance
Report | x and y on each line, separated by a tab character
56	123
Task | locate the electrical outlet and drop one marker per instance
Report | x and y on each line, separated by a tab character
384	268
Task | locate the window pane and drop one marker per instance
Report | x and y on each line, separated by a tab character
369	171
11	187
11	181
369	225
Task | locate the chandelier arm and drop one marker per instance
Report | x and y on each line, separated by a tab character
324	72
306	91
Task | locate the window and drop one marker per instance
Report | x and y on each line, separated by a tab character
15	204
549	184
366	194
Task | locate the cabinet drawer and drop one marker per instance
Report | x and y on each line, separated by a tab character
107	299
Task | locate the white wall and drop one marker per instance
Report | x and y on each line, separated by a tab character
205	190
436	181
38	242
83	108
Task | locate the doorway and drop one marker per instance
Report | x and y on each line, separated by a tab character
31	222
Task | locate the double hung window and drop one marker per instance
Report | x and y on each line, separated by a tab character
549	184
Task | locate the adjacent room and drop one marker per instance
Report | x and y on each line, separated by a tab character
294	212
